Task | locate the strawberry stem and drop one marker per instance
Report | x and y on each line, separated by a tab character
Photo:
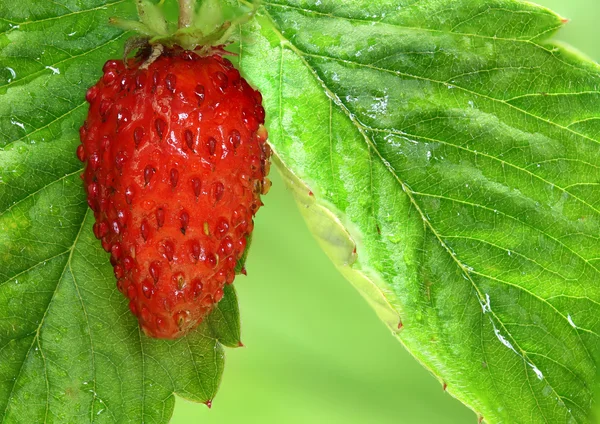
186	13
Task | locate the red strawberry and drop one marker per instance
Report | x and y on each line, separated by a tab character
176	161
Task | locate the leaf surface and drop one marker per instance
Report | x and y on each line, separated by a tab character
70	350
446	153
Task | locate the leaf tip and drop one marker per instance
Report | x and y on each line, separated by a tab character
208	403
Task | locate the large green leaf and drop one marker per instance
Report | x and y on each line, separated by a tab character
70	350
447	155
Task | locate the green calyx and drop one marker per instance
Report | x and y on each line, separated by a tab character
201	29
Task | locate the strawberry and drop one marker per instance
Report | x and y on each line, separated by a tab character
176	160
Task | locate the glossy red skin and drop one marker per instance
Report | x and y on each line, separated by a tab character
150	136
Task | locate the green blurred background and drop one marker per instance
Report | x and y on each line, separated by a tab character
314	350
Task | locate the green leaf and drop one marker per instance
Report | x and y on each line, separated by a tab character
70	350
447	155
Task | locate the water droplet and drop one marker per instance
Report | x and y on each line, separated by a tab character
55	71
17	123
13	74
